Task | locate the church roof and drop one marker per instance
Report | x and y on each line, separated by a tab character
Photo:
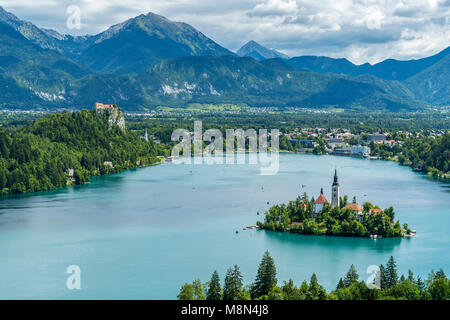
321	199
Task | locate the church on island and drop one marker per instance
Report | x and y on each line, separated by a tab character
335	200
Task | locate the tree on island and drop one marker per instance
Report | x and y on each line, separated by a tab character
266	278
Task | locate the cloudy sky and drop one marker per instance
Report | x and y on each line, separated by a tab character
360	30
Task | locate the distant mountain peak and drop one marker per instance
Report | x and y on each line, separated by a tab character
258	52
28	30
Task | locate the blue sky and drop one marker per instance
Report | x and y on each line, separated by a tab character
360	30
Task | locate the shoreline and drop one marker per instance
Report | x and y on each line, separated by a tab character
371	237
24	194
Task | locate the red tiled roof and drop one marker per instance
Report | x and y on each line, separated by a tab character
302	204
321	199
296	224
375	211
98	104
353	206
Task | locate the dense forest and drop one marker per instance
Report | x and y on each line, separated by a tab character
40	156
298	216
386	285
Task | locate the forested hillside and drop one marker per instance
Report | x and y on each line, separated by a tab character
38	157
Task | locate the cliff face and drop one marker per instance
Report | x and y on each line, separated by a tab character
115	115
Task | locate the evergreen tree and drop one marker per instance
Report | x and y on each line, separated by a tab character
265	278
440	274
290	292
304	290
391	270
411	276
351	276
384	282
214	290
340	285
420	284
233	284
316	291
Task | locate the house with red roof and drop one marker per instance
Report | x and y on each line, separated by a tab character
356	209
375	211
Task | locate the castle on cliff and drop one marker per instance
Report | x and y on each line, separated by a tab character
115	115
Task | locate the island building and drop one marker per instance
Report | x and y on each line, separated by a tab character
335	201
357	210
318	204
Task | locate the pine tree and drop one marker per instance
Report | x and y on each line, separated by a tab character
316	291
233	284
290	292
340	285
351	276
304	290
383	277
440	274
266	278
391	270
420	284
411	276
214	290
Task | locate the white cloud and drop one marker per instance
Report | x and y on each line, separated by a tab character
361	30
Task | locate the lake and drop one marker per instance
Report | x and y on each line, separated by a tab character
143	233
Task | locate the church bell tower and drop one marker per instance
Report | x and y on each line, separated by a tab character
335	191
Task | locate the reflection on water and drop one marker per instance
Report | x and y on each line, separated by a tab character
385	245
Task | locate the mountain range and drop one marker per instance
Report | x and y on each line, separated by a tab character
150	61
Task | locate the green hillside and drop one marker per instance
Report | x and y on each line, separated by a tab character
39	156
40	72
432	84
228	79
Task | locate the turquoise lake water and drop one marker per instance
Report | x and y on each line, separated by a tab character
141	234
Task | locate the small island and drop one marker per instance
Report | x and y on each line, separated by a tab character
338	218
